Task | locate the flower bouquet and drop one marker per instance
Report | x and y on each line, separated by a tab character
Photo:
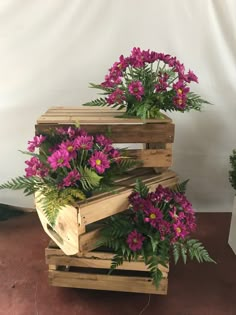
145	83
69	166
155	225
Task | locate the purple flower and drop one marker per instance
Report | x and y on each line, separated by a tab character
180	230
135	240
190	76
116	97
35	168
71	178
103	141
83	142
115	155
136	88
153	216
99	162
69	147
58	159
35	143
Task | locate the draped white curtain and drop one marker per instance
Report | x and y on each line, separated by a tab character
51	50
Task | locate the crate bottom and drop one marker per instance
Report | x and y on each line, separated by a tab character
101	281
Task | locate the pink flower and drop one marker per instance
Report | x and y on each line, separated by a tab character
103	141
83	142
69	147
99	162
180	230
35	143
58	159
135	240
116	97
35	168
153	216
136	58
136	88
190	76
71	178
115	155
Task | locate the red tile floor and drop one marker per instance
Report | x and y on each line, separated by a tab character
194	289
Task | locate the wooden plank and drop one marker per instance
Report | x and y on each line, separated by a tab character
56	256
117	203
65	232
97	263
77	112
106	282
88	241
125	133
152	158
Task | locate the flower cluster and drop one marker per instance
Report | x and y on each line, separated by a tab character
156	224
73	150
164	213
146	82
67	164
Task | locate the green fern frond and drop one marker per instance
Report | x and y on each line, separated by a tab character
117	261
89	178
126	164
100	87
176	252
29	184
155	272
198	251
180	188
141	188
98	102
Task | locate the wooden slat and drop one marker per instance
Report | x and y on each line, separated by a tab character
106	282
86	113
126	133
117	203
153	158
97	263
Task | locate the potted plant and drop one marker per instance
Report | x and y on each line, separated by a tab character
146	82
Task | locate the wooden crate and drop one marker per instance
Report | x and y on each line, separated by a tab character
154	136
91	272
77	228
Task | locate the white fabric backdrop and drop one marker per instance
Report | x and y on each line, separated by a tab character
50	50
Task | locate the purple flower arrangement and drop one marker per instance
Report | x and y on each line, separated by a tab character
72	150
67	165
146	82
155	225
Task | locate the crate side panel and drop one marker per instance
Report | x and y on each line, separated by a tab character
106	282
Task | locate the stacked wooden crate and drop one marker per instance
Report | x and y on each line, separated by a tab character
77	228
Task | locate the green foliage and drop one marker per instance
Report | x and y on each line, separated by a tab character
53	200
181	188
141	188
232	172
98	102
195	102
89	178
29	184
193	249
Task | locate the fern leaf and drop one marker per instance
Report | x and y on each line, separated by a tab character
98	102
117	260
155	272
141	188
29	184
176	252
197	251
89	178
181	188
